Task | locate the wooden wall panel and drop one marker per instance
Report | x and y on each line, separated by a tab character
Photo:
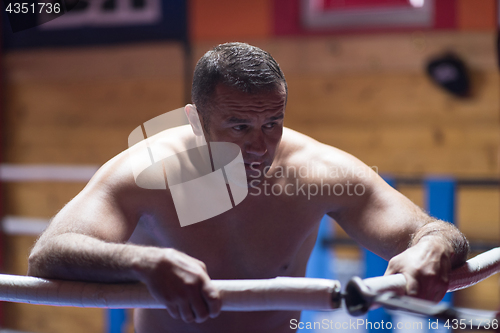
478	213
389	98
416	150
40	199
85	123
16	259
75	106
370	53
414	193
157	60
78	106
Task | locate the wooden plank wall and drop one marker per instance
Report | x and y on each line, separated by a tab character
75	106
367	95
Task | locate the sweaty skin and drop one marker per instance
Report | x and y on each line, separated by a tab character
115	231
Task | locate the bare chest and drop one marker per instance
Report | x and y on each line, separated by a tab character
260	238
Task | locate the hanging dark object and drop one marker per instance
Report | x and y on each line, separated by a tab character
450	73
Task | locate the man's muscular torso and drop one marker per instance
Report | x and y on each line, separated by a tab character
251	241
263	237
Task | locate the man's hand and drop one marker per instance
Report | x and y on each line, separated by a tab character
426	267
181	283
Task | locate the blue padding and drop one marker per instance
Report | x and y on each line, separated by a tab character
440	198
116	320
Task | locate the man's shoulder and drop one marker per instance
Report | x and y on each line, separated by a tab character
123	169
302	151
298	148
296	145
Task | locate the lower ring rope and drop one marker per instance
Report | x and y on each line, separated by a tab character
282	293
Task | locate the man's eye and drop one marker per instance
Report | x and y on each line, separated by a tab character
270	125
240	127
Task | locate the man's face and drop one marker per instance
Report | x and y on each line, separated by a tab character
252	121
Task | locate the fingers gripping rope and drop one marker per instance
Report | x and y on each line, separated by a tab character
473	271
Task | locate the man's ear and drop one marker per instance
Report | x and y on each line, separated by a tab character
194	119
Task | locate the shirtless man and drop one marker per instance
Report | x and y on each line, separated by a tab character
241	95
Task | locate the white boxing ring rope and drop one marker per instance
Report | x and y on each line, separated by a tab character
282	293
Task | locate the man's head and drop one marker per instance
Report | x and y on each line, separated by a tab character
240	66
240	93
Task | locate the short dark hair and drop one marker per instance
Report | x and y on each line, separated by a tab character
244	67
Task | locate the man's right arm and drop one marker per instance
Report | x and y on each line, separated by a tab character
86	241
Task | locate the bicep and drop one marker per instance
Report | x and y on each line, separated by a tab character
381	219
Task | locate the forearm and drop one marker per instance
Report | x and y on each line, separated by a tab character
445	232
80	257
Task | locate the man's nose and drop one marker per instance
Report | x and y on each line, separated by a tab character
256	144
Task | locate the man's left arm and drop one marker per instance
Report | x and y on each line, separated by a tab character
384	221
